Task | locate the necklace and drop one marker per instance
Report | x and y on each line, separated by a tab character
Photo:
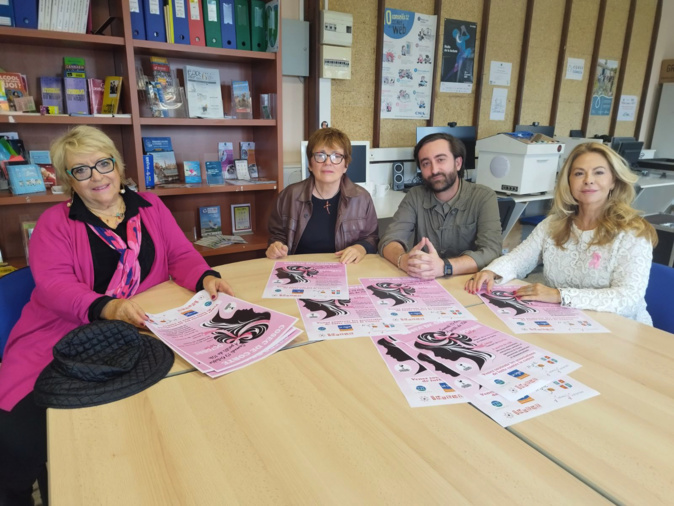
326	206
118	216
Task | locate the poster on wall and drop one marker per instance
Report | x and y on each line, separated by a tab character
458	56
407	65
602	92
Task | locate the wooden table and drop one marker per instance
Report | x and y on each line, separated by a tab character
622	441
319	424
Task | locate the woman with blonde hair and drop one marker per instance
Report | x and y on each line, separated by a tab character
595	247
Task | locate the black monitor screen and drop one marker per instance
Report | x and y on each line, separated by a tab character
536	129
630	151
617	141
467	134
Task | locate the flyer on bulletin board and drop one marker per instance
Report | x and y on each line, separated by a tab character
407	65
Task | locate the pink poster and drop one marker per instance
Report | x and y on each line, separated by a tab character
314	280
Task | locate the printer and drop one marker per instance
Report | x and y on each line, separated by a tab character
518	163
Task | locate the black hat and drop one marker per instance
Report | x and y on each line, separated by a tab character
99	363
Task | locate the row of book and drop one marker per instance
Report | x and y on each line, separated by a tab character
58	15
161	168
233	24
82	95
24	171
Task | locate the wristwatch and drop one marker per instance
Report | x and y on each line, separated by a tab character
448	267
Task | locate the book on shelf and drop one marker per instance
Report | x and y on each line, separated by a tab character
111	93
16	86
24	177
242	169
76	95
248	154
204	95
15	147
43	160
27	228
164	160
192	170
4	103
25	104
148	170
74	66
96	90
214	173
242	105
52	93
210	220
226	155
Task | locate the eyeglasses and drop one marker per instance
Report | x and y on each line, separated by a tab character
321	157
84	172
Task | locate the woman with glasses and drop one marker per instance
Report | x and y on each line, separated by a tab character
326	212
88	256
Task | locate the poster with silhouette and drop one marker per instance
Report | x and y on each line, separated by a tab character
458	56
528	316
307	280
355	316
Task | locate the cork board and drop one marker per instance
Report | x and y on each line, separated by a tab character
582	26
539	79
635	67
504	44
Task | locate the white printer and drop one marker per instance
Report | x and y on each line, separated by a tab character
518	163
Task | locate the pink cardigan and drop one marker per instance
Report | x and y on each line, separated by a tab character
61	263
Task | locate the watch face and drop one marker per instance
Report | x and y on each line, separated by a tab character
448	268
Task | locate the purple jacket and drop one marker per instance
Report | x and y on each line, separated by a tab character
61	263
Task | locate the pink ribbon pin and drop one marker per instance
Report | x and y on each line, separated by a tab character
594	263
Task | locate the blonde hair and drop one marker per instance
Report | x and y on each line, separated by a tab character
81	139
618	214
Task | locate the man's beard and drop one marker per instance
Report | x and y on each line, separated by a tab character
441	185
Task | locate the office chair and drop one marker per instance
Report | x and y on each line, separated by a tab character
658	297
15	290
506	205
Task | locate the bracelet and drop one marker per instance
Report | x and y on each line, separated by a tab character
400	258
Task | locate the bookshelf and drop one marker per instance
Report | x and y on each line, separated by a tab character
40	52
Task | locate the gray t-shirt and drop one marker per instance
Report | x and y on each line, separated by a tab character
468	224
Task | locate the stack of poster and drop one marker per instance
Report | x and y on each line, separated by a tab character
526	316
307	280
223	335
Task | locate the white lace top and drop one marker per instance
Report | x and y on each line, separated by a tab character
603	278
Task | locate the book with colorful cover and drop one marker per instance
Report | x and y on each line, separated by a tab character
15	86
214	173
4	103
43	160
192	171
74	67
155	144
111	94
165	167
76	95
242	105
248	153
226	155
24	178
96	90
210	220
52	93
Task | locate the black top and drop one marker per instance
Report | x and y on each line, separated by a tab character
319	234
105	259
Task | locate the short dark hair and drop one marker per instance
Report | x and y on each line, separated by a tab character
332	138
456	146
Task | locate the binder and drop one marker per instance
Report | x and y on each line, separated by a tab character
25	13
212	23
196	26
168	20
258	37
137	19
181	29
228	30
6	13
242	22
153	11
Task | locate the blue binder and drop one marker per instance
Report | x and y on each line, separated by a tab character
7	14
227	24
181	24
137	19
155	29
25	14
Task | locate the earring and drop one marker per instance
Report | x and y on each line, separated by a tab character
122	190
72	196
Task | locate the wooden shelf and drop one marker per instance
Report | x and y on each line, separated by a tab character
199	189
150	48
208	122
26	36
62	119
254	242
8	199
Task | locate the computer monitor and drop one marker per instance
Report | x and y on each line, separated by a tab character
537	129
630	151
360	161
617	141
467	134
